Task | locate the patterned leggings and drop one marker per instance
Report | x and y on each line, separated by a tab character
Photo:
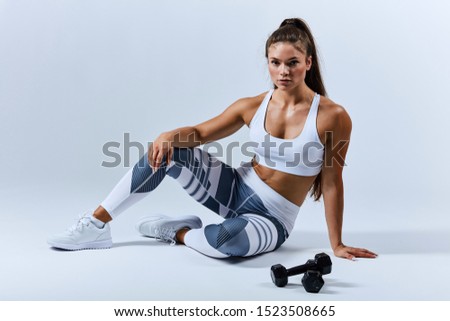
249	227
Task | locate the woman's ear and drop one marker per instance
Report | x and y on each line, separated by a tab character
308	63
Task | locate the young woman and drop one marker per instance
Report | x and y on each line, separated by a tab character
300	139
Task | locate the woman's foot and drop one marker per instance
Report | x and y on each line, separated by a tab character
87	233
165	228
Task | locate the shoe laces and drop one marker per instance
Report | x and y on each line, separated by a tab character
165	234
83	220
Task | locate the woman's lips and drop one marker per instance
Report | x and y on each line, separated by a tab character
284	81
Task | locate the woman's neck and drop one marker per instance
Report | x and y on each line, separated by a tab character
298	95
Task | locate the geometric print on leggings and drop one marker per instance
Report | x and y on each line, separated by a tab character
204	178
219	234
143	179
213	184
264	234
246	235
217	186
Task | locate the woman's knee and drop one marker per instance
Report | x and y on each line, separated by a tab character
229	237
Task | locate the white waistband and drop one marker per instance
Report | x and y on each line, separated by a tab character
279	206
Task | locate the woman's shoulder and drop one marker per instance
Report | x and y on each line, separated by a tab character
330	107
248	106
254	101
331	110
332	115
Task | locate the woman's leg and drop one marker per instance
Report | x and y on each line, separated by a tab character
246	235
249	227
207	179
210	182
197	172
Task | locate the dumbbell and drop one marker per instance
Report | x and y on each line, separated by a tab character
312	281
321	263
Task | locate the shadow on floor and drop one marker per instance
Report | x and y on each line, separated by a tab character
383	242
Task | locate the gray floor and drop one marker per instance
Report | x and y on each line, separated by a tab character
411	264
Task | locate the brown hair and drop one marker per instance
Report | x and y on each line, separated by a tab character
297	32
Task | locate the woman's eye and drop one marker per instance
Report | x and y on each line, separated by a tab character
293	63
275	63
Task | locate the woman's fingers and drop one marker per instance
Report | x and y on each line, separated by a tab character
153	156
150	155
159	149
158	159
349	256
157	153
364	253
345	253
367	253
351	253
169	155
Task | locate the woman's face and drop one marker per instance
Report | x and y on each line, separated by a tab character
287	65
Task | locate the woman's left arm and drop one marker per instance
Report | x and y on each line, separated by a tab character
337	139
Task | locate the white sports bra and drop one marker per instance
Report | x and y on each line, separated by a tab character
302	155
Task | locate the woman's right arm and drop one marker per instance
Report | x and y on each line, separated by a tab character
223	125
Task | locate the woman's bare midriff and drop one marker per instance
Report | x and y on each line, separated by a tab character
292	187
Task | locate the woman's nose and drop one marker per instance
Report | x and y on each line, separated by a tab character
284	70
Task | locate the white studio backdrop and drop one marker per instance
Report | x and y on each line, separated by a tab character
75	75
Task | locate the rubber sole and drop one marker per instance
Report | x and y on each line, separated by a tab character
106	244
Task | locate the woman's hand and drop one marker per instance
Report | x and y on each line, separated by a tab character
351	253
162	146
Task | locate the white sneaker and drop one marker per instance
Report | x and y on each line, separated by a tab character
83	235
165	228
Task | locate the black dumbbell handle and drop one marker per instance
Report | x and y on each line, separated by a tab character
309	265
